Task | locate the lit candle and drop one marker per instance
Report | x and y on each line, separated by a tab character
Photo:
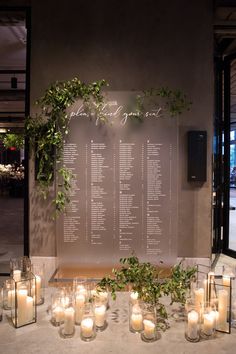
192	325
149	329
58	314
17	275
79	307
30	308
136	319
222	308
208	324
38	288
100	315
134	297
69	320
21	307
87	327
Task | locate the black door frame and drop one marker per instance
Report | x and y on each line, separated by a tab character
27	11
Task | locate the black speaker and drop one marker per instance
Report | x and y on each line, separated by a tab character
197	156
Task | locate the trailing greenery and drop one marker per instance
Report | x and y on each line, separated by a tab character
146	280
13	140
175	101
47	130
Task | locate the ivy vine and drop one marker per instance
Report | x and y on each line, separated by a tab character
175	101
47	130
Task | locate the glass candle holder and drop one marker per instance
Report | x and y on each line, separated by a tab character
57	309
192	325
23	310
88	327
135	318
100	316
8	294
39	290
209	320
67	326
20	267
81	286
149	332
80	301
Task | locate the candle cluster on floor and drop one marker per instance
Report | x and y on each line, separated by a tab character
23	291
82	306
209	309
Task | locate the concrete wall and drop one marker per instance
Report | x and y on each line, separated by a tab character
133	45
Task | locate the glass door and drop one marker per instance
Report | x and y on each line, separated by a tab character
229	146
14	107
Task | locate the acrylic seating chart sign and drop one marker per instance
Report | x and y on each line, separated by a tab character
124	192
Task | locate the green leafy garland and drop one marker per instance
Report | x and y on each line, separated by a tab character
175	101
47	130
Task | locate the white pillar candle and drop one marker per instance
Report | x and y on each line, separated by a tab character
199	298
136	319
17	275
192	327
134	297
149	329
208	324
100	315
222	308
21	307
38	288
69	321
30	308
58	314
79	307
87	327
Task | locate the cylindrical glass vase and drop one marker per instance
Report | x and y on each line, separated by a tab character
57	309
149	332
8	294
192	324
80	302
135	318
209	319
88	327
67	327
39	290
100	316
